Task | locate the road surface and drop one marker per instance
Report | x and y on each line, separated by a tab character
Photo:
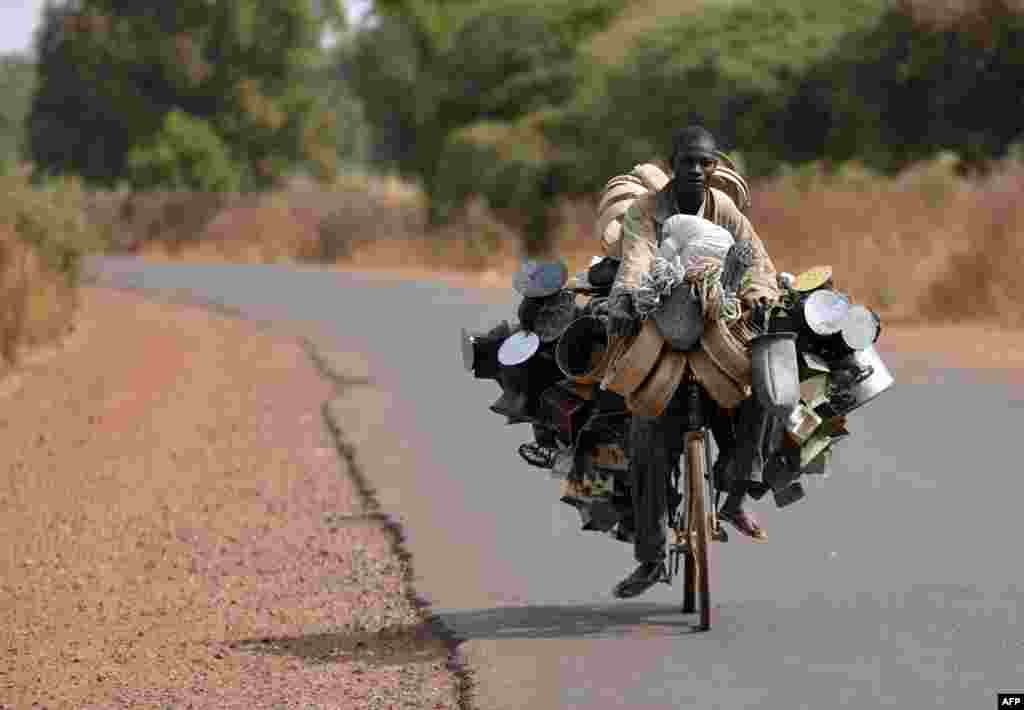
895	583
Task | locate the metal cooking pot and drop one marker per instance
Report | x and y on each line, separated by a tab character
875	378
554	316
583	352
775	375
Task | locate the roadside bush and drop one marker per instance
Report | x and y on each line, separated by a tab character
44	234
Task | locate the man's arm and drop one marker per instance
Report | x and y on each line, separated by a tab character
763	283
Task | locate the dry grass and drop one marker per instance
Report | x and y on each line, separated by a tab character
37	304
42	236
925	247
972	14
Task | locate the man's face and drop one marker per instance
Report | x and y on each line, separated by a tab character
693	168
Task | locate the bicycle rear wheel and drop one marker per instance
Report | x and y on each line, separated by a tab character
698	565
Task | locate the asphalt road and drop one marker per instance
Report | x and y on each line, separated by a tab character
895	583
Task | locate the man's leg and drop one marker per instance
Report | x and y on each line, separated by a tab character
654	446
747	465
647	441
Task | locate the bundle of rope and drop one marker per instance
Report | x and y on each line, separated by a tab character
701	274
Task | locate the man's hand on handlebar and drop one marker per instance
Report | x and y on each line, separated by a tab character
622	317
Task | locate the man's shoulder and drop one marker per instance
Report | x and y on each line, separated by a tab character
724	204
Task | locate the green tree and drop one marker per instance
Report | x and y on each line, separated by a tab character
112	71
186	154
912	85
429	69
17	82
732	67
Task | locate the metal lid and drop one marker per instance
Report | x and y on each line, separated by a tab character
536	279
518	348
860	329
813	278
825	311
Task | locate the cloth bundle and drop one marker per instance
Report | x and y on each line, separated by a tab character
691	253
702	275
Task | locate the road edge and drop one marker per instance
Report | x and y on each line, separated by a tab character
343	382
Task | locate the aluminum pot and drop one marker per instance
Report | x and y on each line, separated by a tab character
582	351
775	372
555	314
877	379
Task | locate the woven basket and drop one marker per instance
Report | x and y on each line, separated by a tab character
618	194
633	360
729	181
722	388
651	399
727	351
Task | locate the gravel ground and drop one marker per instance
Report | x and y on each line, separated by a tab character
180	531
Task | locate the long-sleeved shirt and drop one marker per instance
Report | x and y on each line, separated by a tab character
641	237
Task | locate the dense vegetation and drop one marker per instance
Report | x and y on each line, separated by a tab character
783	83
506	98
190	94
17	82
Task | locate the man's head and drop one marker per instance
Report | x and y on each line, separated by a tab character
693	160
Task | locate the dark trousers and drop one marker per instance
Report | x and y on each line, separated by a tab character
656	444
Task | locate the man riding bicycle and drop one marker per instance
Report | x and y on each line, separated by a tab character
656	443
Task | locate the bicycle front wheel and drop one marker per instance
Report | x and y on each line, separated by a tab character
698	522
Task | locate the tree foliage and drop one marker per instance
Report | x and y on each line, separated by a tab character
112	71
915	84
17	82
185	154
731	67
430	69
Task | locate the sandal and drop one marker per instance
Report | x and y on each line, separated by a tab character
744	522
538	455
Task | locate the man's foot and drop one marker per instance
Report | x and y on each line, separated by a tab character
643	578
743	521
538	455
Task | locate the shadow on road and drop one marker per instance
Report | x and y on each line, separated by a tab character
576	621
390	648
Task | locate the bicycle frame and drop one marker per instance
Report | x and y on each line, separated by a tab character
695	531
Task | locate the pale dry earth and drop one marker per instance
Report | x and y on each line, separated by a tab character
180	531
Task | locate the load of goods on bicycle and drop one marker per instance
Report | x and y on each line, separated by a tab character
696	327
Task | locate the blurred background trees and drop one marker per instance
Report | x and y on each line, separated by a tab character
17	82
512	101
175	94
428	70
